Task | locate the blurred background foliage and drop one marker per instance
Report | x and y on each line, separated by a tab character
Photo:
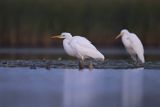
29	23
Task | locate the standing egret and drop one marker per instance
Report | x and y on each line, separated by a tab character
133	46
79	47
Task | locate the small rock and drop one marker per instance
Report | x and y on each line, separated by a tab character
33	66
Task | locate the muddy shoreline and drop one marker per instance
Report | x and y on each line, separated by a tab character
73	64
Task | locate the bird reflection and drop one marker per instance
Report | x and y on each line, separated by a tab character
132	88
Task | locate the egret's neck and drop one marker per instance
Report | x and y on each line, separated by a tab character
67	40
125	36
125	40
69	37
67	47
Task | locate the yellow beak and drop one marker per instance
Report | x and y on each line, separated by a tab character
58	36
118	36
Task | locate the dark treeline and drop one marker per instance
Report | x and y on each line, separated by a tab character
28	23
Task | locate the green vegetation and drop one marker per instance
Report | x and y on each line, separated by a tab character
27	23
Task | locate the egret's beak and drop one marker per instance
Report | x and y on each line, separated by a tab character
118	36
58	36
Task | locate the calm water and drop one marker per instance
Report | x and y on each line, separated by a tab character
24	87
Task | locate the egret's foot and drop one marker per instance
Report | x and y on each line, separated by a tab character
137	64
140	65
33	66
90	66
134	63
81	65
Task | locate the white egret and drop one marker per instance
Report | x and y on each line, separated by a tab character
79	47
133	46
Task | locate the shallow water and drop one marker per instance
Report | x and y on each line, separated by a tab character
25	87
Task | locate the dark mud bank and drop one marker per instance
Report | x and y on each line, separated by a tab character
73	64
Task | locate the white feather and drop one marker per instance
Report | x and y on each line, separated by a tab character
133	45
81	48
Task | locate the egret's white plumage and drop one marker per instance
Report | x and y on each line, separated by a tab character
133	45
79	47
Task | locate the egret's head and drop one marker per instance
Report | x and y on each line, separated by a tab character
124	31
66	35
63	35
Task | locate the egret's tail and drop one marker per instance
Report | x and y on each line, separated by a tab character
141	57
102	58
98	56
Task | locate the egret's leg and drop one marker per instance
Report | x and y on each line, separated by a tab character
134	58
81	64
137	61
90	66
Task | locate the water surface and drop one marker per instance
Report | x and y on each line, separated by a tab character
25	87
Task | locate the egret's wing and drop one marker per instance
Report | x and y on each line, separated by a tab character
137	46
136	43
83	42
84	48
